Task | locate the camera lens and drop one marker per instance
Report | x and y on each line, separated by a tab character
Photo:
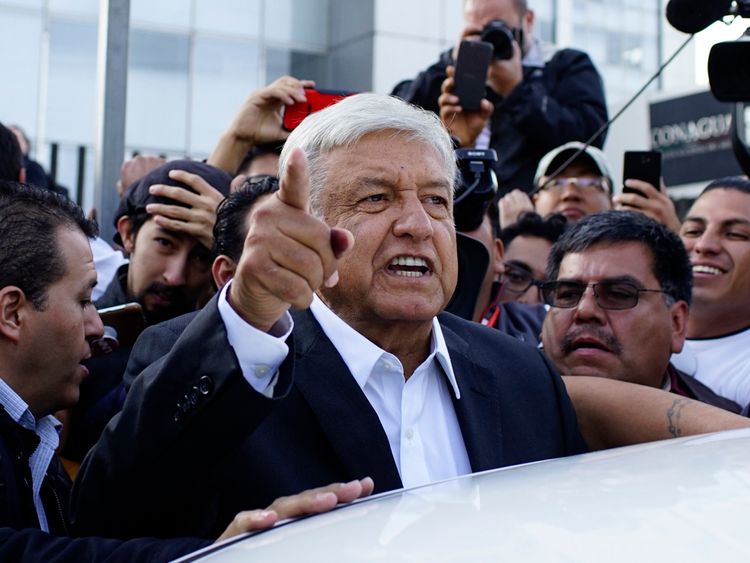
501	37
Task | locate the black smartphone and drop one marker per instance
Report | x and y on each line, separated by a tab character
641	165
469	80
127	321
316	101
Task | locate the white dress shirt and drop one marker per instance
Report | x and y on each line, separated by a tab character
417	414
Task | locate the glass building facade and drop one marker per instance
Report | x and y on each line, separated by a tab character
192	62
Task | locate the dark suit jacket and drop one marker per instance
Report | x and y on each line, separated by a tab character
195	444
20	536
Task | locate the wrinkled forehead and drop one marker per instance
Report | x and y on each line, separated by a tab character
607	260
480	12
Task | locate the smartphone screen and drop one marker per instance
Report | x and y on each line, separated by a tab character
642	165
316	101
471	73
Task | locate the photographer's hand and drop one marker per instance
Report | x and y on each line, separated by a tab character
465	126
504	76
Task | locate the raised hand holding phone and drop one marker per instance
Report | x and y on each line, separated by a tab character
643	189
316	100
641	165
470	76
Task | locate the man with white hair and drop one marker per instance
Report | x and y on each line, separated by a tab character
366	377
381	385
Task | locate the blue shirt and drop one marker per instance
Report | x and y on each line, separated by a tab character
47	429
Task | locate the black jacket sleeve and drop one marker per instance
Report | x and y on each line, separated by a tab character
187	411
35	545
566	104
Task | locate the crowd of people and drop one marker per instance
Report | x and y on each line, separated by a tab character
295	288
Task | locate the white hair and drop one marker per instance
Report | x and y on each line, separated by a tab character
344	123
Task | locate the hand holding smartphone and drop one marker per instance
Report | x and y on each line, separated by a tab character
470	77
316	101
641	165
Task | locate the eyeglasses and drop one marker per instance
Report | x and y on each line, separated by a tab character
518	278
609	294
586	184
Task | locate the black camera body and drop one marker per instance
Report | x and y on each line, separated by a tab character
501	36
476	186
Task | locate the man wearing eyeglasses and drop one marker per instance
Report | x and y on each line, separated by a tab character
619	291
572	179
527	245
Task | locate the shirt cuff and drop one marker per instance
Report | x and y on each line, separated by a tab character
259	353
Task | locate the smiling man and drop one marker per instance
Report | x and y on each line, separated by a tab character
716	234
619	293
367	376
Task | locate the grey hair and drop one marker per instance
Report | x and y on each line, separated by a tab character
346	122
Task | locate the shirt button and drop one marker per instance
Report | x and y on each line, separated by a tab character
409	433
261	371
387	365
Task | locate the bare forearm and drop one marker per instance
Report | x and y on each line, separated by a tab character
229	152
614	413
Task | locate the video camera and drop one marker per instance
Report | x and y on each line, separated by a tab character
728	62
476	186
501	36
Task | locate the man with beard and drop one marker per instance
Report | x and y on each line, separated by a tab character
619	292
47	325
164	223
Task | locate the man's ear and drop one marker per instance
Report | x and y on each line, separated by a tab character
223	270
12	302
22	176
498	252
679	316
528	20
125	229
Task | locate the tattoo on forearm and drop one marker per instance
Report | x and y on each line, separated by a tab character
673	416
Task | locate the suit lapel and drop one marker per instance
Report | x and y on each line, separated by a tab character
346	416
478	410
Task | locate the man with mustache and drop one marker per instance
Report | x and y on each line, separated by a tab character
368	376
619	290
47	325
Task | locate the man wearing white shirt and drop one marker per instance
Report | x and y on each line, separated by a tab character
368	381
47	321
366	376
716	233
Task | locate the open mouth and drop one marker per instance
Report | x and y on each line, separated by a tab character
587	344
409	266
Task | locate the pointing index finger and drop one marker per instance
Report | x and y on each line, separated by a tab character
294	187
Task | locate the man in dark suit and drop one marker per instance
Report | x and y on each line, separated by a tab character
367	376
47	322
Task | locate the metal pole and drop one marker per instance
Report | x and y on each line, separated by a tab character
112	80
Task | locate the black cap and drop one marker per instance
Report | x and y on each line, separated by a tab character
138	197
